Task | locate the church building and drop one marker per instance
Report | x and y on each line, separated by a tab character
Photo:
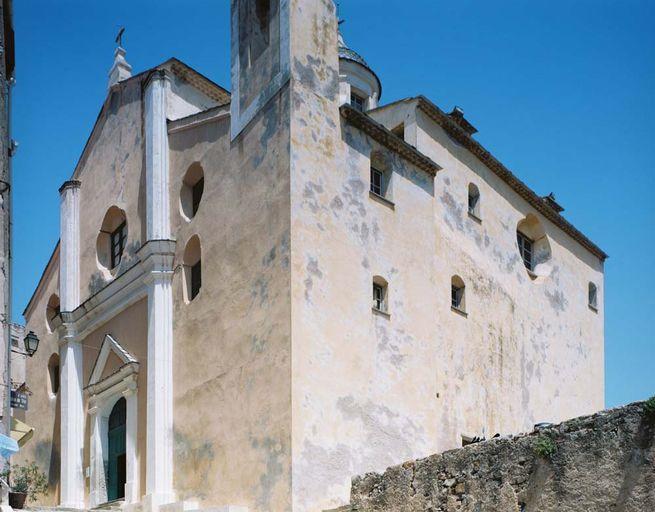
260	292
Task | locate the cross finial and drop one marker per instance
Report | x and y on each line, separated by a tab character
119	37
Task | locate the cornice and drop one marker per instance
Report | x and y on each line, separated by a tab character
384	136
537	202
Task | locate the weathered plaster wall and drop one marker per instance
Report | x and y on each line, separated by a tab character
43	411
355	407
112	173
232	367
601	462
529	350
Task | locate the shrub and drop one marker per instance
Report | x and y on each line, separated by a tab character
544	447
649	406
28	479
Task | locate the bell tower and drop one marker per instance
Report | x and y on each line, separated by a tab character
259	56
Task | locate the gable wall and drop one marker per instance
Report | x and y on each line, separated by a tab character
113	173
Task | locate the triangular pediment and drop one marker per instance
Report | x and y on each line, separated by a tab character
110	350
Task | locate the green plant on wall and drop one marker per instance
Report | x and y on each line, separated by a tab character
649	406
28	479
544	447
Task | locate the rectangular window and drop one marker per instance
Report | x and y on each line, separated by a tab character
525	248
196	194
196	280
456	294
117	240
473	203
593	296
379	301
377	181
357	102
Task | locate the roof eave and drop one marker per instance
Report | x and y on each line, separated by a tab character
460	135
385	137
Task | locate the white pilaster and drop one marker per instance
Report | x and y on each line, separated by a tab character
132	470
98	479
156	133
69	250
70	352
159	463
158	256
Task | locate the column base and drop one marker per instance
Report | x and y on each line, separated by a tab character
153	503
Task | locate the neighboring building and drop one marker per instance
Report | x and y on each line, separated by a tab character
7	148
257	295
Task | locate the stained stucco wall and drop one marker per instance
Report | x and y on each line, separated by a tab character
530	350
363	383
368	389
43	411
232	366
112	174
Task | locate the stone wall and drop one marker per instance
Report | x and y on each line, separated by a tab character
603	462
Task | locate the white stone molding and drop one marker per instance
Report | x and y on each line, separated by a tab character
103	395
69	250
156	142
70	353
157	257
159	451
120	69
109	345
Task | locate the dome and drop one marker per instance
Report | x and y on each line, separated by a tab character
356	77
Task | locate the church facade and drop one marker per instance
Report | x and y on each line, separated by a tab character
260	293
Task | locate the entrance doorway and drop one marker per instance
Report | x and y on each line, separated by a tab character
116	460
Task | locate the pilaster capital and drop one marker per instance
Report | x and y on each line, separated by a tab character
67	332
70	184
155	76
157	256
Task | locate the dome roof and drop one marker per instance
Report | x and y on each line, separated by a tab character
351	55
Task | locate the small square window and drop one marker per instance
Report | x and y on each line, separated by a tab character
526	249
196	280
357	102
196	194
379	297
117	241
593	296
457	295
377	181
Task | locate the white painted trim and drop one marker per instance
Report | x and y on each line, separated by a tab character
100	406
157	155
240	119
109	345
70	352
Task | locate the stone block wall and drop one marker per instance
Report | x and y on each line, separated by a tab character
599	463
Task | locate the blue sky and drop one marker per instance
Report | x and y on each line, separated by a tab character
563	92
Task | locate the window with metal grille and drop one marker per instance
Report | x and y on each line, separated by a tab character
196	280
526	246
117	243
196	194
379	297
357	102
377	181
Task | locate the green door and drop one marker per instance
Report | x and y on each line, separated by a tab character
116	469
